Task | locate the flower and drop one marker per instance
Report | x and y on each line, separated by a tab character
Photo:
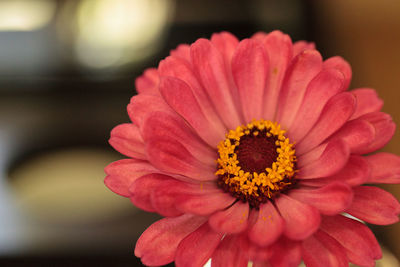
255	152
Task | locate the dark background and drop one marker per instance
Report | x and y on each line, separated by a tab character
67	71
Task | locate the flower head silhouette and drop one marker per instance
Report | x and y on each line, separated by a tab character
254	151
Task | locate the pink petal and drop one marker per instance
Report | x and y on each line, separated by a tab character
331	199
203	204
250	69
358	134
181	69
197	248
160	125
335	113
374	205
171	156
232	220
326	84
268	227
384	130
141	189
278	47
300	46
230	252
285	253
301	220
182	51
356	172
142	105
357	239
148	82
333	159
323	250
341	65
210	68
226	44
180	97
385	168
302	70
158	244
367	102
126	139
122	173
165	198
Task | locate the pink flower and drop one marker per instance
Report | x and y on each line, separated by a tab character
253	151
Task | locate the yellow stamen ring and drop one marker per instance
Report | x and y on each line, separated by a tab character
256	186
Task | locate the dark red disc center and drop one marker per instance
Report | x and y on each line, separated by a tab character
255	153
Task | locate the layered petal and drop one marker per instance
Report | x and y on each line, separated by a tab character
250	70
230	252
341	65
122	173
374	205
323	250
126	139
278	47
302	70
357	239
301	220
324	162
331	199
180	97
209	66
231	220
182	51
148	82
158	244
335	113
385	168
197	248
300	46
367	102
326	84
268	226
286	253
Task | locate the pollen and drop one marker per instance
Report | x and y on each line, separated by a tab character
256	162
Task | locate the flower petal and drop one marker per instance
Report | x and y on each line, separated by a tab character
286	253
209	67
374	205
250	70
230	252
232	220
226	44
335	113
180	97
203	204
384	130
302	70
326	84
333	158
278	47
385	168
357	239
331	199
268	227
122	173
182	51
148	82
126	139
301	220
197	248
182	70
323	250
171	156
341	65
358	134
160	125
356	172
367	102
158	244
300	46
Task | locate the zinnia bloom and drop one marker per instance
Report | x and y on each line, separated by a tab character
255	152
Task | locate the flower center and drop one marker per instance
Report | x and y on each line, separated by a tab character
256	162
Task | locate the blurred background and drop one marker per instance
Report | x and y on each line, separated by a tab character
67	71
